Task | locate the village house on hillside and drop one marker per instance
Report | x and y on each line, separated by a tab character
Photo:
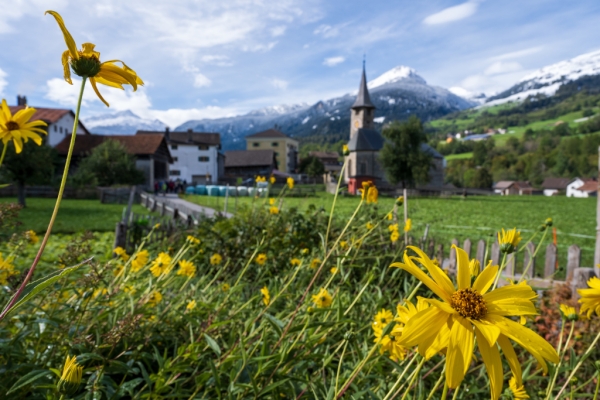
197	158
507	188
331	162
582	188
247	164
284	147
366	142
60	121
151	152
554	186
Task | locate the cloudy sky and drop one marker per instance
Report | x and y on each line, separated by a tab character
207	59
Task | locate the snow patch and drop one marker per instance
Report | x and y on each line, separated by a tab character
396	74
379	120
305	120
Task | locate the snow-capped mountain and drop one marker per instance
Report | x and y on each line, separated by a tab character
121	123
397	94
478	98
548	79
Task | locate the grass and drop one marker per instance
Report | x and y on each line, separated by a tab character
475	217
73	216
460	156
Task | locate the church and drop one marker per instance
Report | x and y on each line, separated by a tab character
366	142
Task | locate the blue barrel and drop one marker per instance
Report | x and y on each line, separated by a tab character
232	191
212	190
201	190
242	191
190	190
251	191
222	191
262	184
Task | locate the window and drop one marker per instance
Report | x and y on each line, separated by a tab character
60	129
173	147
175	159
276	154
275	144
175	172
255	144
55	128
203	147
203	159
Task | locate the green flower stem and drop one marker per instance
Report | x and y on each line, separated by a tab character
456	392
533	257
556	371
334	201
414	357
356	371
583	358
339	368
3	154
359	295
500	271
414	377
216	276
597	387
445	392
437	384
63	183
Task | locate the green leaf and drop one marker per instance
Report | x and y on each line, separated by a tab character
28	379
3	185
275	323
213	344
36	287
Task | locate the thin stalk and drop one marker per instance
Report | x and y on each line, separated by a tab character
500	271
63	183
551	387
583	358
412	381
339	368
456	392
333	204
445	392
597	387
533	257
3	154
387	396
437	384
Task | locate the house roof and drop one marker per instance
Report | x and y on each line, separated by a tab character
500	185
363	100
588	186
523	185
556	183
188	137
141	144
48	115
366	140
269	133
249	158
324	154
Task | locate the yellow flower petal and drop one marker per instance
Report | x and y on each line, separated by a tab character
440	342
112	68
487	330
415	271
442	305
422	326
460	351
511	358
510	292
438	275
464	273
93	83
66	66
485	279
23	115
68	38
516	307
493	364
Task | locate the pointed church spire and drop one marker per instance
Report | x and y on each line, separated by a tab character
363	100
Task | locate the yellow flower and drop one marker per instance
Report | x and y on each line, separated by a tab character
509	240
274	210
266	296
343	245
370	226
393	228
156	226
216	259
382	318
225	287
118	270
71	376
18	128
119	251
100	292
474	267
345	150
186	268
129	289
271	201
315	263
32	237
408	225
260	179
295	262
400	200
394	236
304	251
271	179
290	182
517	389
161	265
193	240
365	188
191	305
390	216
261	258
322	299
141	258
86	63
590	298
372	194
548	222
471	312
333	270
155	298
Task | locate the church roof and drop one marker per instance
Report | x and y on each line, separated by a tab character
366	140
363	99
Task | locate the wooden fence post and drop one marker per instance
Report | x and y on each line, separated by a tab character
579	281
431	248
440	254
550	264
573	261
495	254
452	265
481	253
509	269
120	235
467	247
527	259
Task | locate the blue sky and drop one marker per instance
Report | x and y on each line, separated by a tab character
206	59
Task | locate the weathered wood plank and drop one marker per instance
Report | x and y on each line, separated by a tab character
550	264
480	256
495	254
529	261
467	247
573	261
452	264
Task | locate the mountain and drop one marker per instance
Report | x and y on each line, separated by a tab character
121	123
548	79
397	94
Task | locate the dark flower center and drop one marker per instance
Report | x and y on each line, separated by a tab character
12	126
469	304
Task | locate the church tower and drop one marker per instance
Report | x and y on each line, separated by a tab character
363	111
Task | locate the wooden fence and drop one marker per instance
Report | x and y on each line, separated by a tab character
130	232
575	275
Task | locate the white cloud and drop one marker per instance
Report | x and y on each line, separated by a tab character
3	81
278	30
502	67
333	61
201	80
220	61
517	54
451	14
327	31
259	48
174	117
279	83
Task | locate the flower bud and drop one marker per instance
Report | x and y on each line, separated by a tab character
549	222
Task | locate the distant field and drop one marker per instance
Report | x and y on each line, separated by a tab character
475	217
461	156
73	216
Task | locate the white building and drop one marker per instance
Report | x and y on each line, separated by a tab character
60	121
582	188
554	186
196	156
